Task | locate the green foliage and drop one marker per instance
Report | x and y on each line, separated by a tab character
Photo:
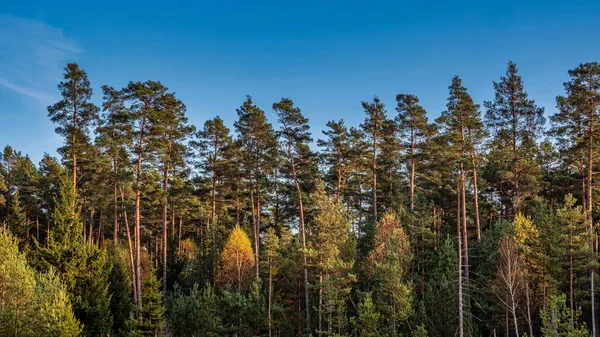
32	304
366	323
153	321
557	320
194	313
83	269
120	289
56	318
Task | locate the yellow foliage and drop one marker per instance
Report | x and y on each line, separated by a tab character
389	238
524	231
188	248
237	260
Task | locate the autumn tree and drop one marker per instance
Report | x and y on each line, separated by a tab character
237	260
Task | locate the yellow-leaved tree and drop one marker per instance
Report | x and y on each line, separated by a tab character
237	260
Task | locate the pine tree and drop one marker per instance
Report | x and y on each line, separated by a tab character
413	131
259	149
557	321
461	129
145	101
115	136
296	136
579	120
194	314
389	262
170	130
338	156
366	323
331	230
373	128
516	123
74	114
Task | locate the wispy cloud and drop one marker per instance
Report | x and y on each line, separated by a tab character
32	57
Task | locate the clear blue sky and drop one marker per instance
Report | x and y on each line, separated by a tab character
325	55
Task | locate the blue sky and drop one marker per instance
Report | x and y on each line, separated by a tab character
327	56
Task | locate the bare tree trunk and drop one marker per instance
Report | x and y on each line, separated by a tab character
115	207
412	170
270	297
590	219
302	228
374	178
320	302
137	231
476	196
130	246
528	302
464	222
255	231
571	280
460	283
164	229
91	231
179	236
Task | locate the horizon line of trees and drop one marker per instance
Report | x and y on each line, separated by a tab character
483	221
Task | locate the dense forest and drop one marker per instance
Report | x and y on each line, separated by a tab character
482	222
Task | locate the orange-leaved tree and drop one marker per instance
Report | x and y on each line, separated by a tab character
237	260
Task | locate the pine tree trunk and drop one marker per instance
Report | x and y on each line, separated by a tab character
591	225
320	302
115	209
137	231
571	299
270	298
130	246
464	223
528	302
302	231
91	231
164	227
374	178
255	231
476	196
73	140
460	283
257	263
412	171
